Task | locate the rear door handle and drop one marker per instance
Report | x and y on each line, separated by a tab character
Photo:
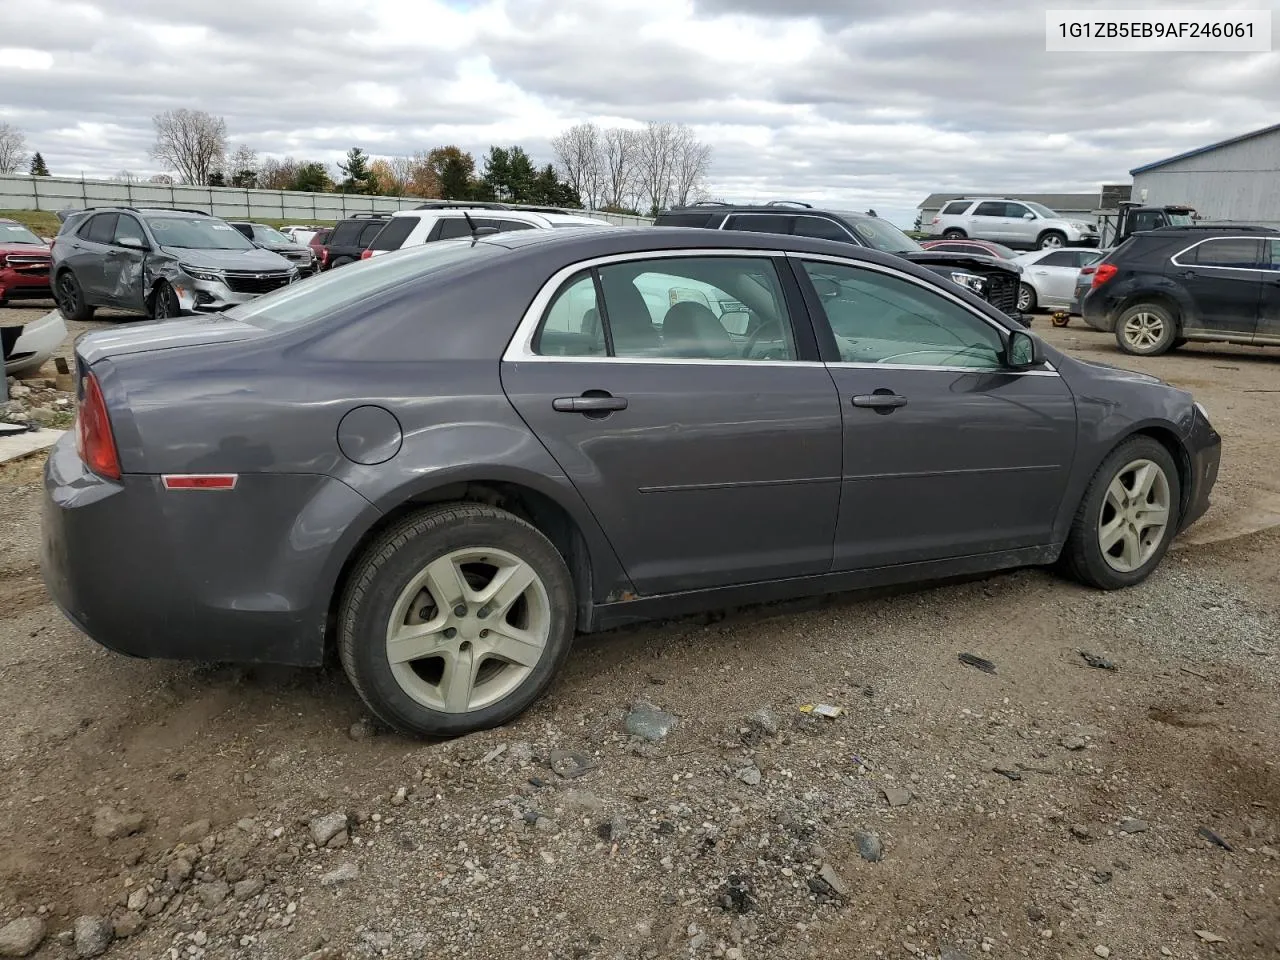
589	404
880	401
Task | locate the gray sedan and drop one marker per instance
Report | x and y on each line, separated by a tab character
447	461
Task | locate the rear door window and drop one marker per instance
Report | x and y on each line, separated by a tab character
1060	258
955	208
821	229
394	234
992	208
345	234
454	228
101	229
506	225
370	231
1272	259
760	222
571	326
1237	252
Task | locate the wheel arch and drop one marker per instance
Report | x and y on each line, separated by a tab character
1162	298
1169	438
1051	230
951	232
588	556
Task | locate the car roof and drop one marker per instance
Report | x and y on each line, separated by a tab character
1196	228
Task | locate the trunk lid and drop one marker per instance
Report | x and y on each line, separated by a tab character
151	335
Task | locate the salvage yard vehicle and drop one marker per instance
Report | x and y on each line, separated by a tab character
163	262
451	459
1165	287
990	277
24	263
1023	224
29	346
1049	277
268	238
452	220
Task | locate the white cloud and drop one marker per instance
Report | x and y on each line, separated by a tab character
874	103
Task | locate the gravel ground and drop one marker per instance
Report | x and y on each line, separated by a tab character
1049	810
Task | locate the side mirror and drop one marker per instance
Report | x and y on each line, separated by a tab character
133	243
1028	215
1023	352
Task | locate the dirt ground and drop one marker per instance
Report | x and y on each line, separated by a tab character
1049	810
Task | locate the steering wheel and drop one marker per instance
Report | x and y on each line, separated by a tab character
774	353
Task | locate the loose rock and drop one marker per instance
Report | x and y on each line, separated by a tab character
328	827
896	796
245	889
212	894
92	936
1073	743
362	729
1102	951
178	871
343	874
646	721
749	775
766	722
870	847
569	765
1134	826
127	924
21	937
833	880
195	831
111	824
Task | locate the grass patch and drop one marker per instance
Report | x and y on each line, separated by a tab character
45	223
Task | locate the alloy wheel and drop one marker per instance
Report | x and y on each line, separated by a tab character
1143	330
468	629
1024	298
161	309
1051	242
1135	515
66	295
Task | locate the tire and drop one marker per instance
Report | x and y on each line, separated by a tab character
1084	556
1026	298
1051	240
953	234
341	262
1146	330
381	593
69	296
1180	342
163	303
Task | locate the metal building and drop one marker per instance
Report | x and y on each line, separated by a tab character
1236	179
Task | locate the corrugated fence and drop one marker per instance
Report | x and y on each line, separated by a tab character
19	192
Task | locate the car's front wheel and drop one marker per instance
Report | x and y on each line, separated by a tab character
1127	518
164	303
1051	240
953	234
456	619
1026	298
69	296
1146	330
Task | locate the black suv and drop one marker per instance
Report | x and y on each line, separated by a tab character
350	238
1161	288
991	278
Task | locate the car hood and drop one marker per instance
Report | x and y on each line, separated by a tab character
961	261
254	259
152	335
288	248
1111	372
7	248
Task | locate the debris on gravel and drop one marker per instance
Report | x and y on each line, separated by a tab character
19	938
329	830
870	846
93	936
111	824
343	874
647	722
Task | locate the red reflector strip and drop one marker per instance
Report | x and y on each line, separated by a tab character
200	481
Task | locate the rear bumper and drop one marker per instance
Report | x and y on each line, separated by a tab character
219	576
1095	308
1204	448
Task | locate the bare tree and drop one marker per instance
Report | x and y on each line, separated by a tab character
276	174
656	164
162	179
689	172
619	158
579	151
13	148
192	142
126	176
242	168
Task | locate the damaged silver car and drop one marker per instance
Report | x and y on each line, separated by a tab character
165	263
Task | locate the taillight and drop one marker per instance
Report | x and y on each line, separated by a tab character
94	441
1102	273
366	255
324	254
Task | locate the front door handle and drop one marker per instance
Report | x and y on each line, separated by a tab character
880	401
589	404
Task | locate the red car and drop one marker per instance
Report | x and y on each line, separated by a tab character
24	263
983	248
319	243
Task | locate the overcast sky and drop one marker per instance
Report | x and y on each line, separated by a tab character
871	103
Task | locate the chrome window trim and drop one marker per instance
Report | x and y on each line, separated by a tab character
1213	266
520	347
748	213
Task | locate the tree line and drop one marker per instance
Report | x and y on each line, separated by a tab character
616	169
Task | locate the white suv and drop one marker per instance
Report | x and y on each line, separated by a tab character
1015	223
447	220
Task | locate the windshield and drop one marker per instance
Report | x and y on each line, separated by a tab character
881	235
272	238
320	296
197	233
1043	211
17	233
1180	219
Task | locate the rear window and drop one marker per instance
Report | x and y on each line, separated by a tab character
683	220
346	234
394	234
336	290
956	207
370	231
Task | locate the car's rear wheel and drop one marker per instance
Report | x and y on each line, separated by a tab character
456	619
1127	518
164	302
70	298
953	234
1146	330
1026	298
1051	240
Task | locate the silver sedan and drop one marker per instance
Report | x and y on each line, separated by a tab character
1049	277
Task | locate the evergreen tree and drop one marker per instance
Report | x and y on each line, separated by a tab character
356	168
312	178
38	167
